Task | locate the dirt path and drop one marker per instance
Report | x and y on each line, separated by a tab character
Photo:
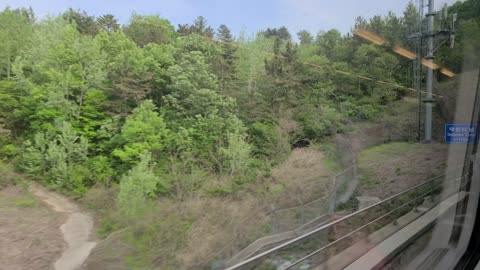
76	230
29	234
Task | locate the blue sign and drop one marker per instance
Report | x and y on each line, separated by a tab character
461	133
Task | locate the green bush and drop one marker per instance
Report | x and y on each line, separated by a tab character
360	111
319	121
7	148
139	184
8	175
58	159
144	130
80	179
101	170
265	139
236	155
158	237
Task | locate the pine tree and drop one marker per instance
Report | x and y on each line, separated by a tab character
305	37
201	27
86	24
226	64
108	23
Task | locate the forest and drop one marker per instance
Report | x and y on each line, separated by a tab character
154	116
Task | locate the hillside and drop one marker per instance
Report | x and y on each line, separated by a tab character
180	144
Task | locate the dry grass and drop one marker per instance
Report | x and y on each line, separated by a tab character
299	179
391	168
217	222
190	233
303	177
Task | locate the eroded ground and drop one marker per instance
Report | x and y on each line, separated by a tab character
30	238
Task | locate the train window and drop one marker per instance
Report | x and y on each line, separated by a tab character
239	135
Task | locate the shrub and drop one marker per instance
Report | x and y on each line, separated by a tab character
158	237
7	149
58	159
143	130
7	175
265	139
236	154
138	184
360	111
101	170
318	122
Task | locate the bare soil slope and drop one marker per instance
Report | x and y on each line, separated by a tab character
30	238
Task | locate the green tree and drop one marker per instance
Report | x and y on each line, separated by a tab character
15	33
9	104
379	65
375	62
57	71
144	130
237	153
149	29
135	73
58	158
225	67
139	184
282	33
305	37
265	140
410	18
188	76
251	77
281	69
360	23
394	29
327	41
86	24
195	109
377	25
92	116
318	121
126	67
108	23
199	27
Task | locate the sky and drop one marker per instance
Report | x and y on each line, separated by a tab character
249	16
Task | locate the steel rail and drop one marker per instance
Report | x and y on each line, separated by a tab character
359	229
259	257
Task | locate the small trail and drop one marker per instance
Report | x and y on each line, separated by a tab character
76	230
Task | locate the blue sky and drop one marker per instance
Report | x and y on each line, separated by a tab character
247	15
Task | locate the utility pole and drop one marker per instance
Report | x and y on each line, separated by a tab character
417	71
428	99
446	34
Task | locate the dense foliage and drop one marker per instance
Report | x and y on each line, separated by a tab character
162	111
89	101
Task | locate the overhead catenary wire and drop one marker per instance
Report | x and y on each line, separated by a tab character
363	77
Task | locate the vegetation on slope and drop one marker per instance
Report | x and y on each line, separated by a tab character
390	168
143	119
